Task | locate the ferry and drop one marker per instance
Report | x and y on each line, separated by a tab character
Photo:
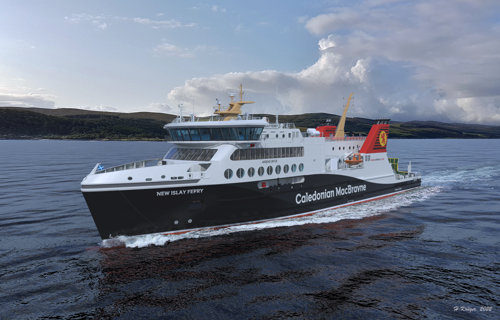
233	168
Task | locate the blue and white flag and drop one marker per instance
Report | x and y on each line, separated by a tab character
99	167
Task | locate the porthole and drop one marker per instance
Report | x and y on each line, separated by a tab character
278	169
269	170
285	168
268	136
163	177
190	220
261	171
301	167
228	173
343	148
240	173
294	167
276	135
333	148
251	172
130	178
283	135
176	222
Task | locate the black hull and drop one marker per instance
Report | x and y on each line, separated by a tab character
135	212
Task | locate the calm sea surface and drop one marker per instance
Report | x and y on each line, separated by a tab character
428	253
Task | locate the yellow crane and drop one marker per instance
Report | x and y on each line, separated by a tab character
339	133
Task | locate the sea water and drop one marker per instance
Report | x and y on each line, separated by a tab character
432	252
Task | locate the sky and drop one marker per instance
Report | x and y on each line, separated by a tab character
406	60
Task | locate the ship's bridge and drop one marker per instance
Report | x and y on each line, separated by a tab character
207	131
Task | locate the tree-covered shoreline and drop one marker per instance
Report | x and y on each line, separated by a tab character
74	124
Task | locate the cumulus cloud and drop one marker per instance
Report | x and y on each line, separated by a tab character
27	100
156	107
429	60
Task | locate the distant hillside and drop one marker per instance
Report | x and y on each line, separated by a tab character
35	123
17	123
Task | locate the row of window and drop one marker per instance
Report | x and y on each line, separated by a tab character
343	148
190	154
240	173
207	134
267	153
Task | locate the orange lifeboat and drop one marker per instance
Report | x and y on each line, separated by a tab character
354	159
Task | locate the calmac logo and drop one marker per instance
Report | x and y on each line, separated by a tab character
382	138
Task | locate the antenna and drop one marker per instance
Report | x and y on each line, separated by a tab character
218	103
277	106
181	107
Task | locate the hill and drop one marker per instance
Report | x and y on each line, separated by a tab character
37	123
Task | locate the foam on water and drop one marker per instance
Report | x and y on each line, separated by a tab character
446	178
356	211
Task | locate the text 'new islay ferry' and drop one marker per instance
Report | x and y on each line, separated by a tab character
234	169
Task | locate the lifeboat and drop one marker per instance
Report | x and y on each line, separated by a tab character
356	158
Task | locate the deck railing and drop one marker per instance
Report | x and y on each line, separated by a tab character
132	165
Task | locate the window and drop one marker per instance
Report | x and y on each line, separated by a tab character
294	167
185	134
195	134
202	155
235	134
251	172
261	171
301	167
170	153
226	134
216	134
241	133
333	148
205	133
269	170
266	153
278	169
228	173
240	173
190	154
285	168
283	135
276	135
289	135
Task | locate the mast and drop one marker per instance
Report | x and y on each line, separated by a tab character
340	127
234	109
